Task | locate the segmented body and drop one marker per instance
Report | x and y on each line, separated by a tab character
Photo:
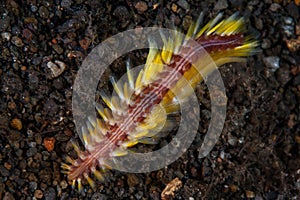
224	41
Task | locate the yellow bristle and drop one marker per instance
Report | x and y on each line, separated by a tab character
146	126
129	143
171	107
193	77
183	89
69	160
115	103
108	114
119	152
106	100
178	42
106	165
167	51
129	76
209	25
231	25
100	110
73	184
148	141
155	119
127	93
138	83
65	166
153	51
90	128
148	73
168	98
65	172
117	88
101	126
149	69
158	60
85	135
248	48
191	30
89	180
92	120
138	134
79	184
98	175
76	148
222	61
215	29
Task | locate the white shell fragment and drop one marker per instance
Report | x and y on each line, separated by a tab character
56	68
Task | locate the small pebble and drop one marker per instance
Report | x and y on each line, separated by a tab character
174	7
297	29
283	75
59	83
4	22
194	172
266	43
141	6
241	140
27	34
6	36
56	68
15	30
11	105
132	180
63	184
297	139
43	12
23	68
8	196
38	194
85	43
30	20
75	54
221	4
33	8
16	124
233	188
32	144
293	10
288	26
250	194
121	12
171	188
275	7
272	62
288	20
66	3
31	151
4	171
58	48
17	41
46	155
50	194
183	4
100	196
232	140
32	185
293	44
49	143
259	23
